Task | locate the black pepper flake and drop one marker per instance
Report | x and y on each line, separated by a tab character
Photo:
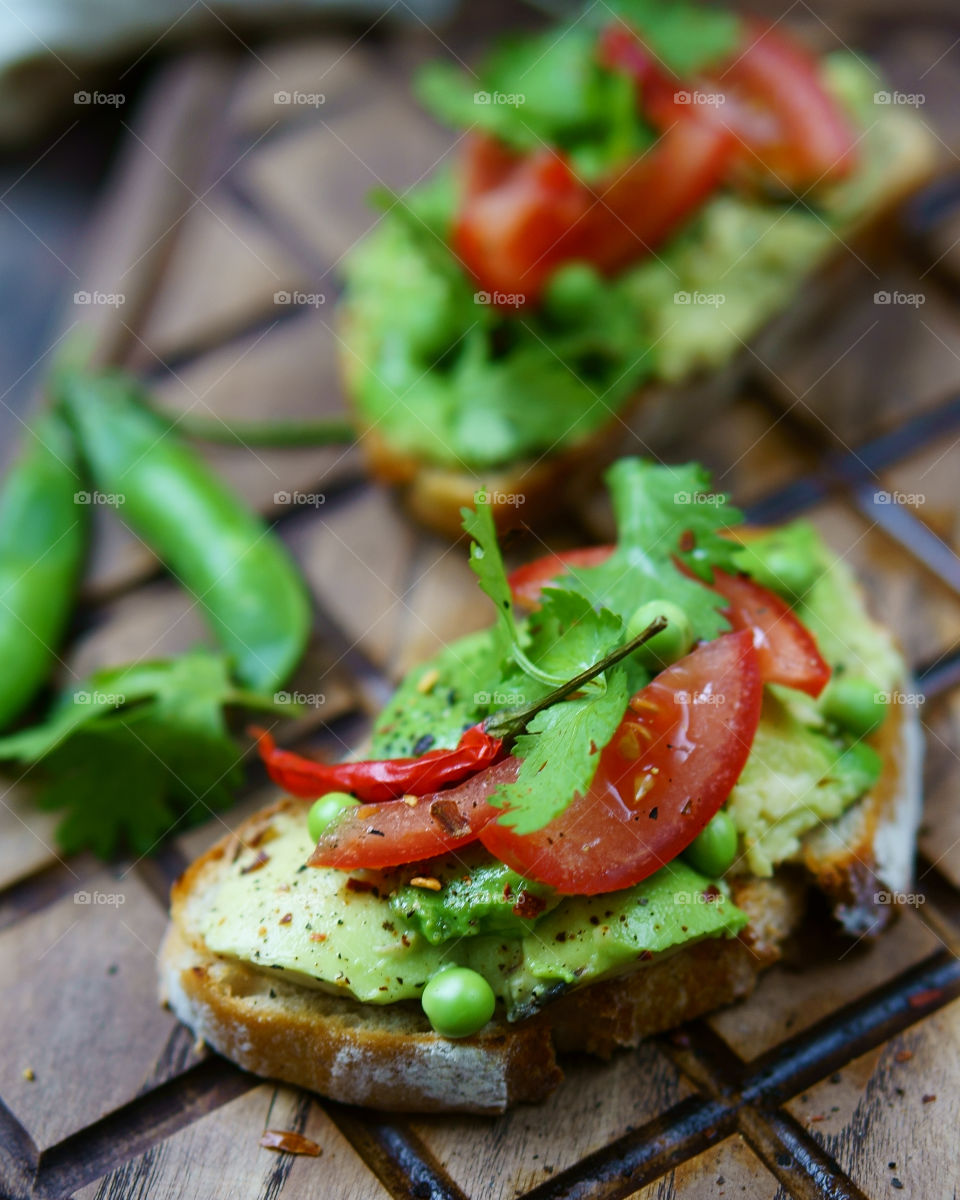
376	832
423	744
654	813
561	936
895	1182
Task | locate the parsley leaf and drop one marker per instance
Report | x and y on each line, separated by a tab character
135	751
560	751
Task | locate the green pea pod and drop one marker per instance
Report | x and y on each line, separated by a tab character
44	526
225	555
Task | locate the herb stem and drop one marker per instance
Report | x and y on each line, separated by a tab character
509	724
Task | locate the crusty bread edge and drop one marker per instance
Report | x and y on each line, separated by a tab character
391	1059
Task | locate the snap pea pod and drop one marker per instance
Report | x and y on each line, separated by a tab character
224	554
43	539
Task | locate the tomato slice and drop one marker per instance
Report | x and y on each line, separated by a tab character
786	649
668	769
769	96
509	234
521	218
813	141
641	206
392	833
527	582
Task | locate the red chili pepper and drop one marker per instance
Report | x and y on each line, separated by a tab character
383	779
380	779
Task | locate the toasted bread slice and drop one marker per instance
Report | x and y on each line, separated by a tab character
388	1057
864	860
527	491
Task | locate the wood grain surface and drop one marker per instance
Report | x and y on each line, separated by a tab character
225	223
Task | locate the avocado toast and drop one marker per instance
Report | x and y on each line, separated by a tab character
453	913
632	198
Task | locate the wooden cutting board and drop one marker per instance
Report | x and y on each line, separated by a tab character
840	1079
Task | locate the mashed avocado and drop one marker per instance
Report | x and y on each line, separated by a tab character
324	928
458	383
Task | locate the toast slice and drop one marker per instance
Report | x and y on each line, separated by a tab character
388	1057
434	494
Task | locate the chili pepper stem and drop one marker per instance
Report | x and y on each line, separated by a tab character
509	724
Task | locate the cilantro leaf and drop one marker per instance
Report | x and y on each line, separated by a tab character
486	562
664	514
135	751
559	753
567	634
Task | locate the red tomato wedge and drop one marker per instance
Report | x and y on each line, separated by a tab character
510	230
769	96
639	207
392	833
669	767
522	217
786	649
813	140
528	581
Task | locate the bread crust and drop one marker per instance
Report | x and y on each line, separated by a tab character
388	1057
434	494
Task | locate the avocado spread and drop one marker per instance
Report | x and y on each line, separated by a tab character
365	936
453	380
380	936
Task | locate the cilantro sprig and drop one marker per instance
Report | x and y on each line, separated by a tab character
137	750
666	516
670	528
571	633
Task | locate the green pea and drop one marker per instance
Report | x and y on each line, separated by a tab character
327	809
458	1002
855	703
572	291
669	644
862	764
714	849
